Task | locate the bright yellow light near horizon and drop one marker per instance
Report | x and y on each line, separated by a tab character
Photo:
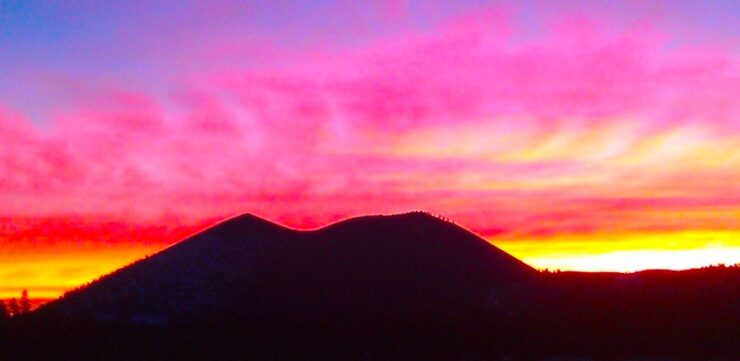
632	261
49	275
628	252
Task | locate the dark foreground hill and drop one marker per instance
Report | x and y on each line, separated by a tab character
383	287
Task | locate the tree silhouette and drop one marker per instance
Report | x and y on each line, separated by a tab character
14	307
3	310
25	303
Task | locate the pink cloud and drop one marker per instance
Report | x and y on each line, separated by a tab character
316	139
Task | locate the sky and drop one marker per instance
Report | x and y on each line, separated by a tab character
576	135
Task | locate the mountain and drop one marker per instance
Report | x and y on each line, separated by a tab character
407	286
365	268
380	278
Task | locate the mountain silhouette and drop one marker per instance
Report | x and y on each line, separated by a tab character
408	286
409	265
373	278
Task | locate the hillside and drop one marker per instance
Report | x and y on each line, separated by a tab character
407	286
363	267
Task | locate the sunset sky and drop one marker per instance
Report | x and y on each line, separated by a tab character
587	135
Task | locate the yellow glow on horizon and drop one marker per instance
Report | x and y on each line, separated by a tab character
638	260
628	252
50	275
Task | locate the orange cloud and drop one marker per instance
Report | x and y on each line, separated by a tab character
585	134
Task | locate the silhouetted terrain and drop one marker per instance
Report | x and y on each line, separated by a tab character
408	286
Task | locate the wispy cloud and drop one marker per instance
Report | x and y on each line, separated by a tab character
580	130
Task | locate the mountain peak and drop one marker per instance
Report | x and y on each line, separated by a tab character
408	219
246	223
395	261
246	218
420	215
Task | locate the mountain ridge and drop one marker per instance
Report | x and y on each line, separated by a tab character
247	252
408	286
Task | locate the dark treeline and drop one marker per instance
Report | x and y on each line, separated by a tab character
404	287
654	314
14	307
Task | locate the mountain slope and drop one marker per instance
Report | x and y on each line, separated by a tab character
373	274
402	287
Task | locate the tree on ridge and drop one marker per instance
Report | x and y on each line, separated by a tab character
25	304
14	307
3	311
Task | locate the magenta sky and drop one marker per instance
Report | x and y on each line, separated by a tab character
528	121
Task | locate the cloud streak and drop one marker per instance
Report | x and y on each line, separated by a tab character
582	130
